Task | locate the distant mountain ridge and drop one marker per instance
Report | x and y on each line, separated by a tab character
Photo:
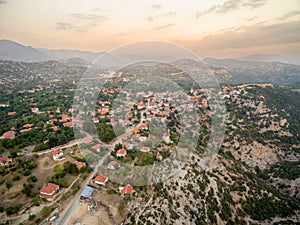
10	50
269	58
239	71
13	51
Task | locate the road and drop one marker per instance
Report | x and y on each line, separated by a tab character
73	208
74	205
73	143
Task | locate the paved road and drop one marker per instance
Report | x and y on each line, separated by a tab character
74	205
73	208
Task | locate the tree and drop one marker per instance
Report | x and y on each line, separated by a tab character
58	169
106	132
46	211
32	179
57	138
71	168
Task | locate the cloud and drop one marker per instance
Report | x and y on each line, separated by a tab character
162	15
231	5
252	18
3	2
164	26
290	14
64	26
156	6
256	35
253	4
80	22
89	19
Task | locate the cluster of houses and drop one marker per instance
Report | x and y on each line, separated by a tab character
5	160
50	190
66	120
102	180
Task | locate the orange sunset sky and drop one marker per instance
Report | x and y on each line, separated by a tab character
218	28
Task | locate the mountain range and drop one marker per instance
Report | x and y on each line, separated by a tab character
13	51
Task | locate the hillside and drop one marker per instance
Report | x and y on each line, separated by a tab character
253	180
10	50
238	71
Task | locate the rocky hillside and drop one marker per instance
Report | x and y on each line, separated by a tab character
239	71
255	177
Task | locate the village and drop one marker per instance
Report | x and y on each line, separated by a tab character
106	132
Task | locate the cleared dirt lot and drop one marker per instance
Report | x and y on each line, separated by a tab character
106	213
86	217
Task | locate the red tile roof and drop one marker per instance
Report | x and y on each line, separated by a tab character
113	163
25	130
79	165
68	124
127	189
64	117
55	152
100	179
4	158
9	134
50	189
96	147
145	149
34	109
166	135
11	113
143	126
28	125
55	128
121	151
135	130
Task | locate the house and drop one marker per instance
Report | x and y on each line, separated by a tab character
35	110
4	160
96	120
112	165
11	113
127	189
55	128
80	165
121	152
96	147
166	137
58	155
25	130
87	193
100	180
9	134
140	105
64	118
49	191
28	125
143	126
145	149
135	130
68	124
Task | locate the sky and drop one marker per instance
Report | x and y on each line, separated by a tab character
211	28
